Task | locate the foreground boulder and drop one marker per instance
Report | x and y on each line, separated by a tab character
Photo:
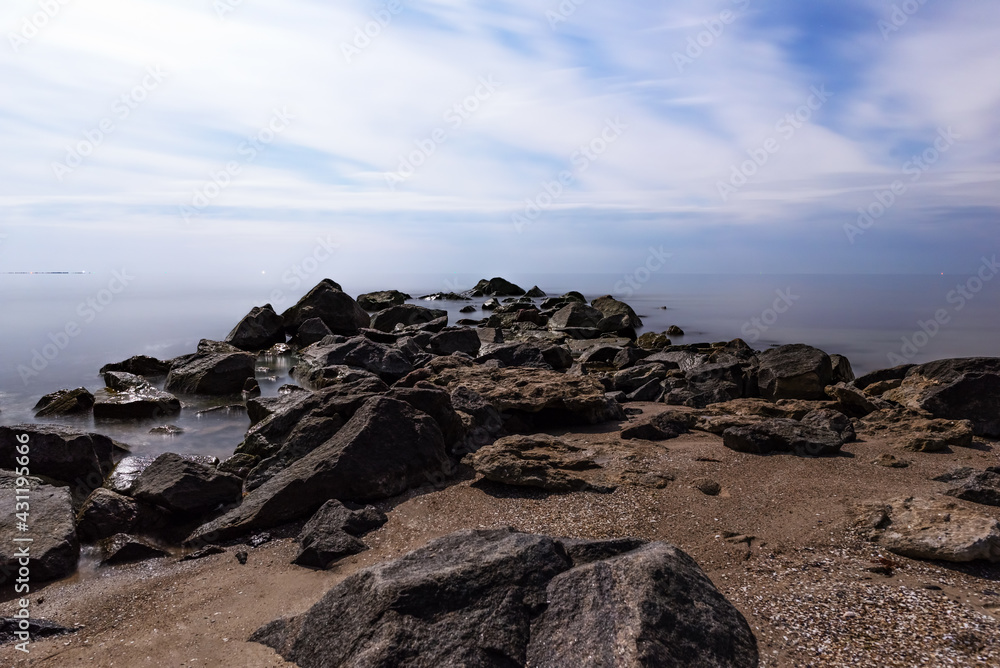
59	452
955	389
931	529
783	435
106	513
217	368
258	330
501	598
387	362
795	371
185	487
65	402
385	448
55	549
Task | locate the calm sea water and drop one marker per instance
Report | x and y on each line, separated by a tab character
57	331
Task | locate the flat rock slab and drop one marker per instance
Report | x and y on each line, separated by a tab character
916	433
783	435
931	529
501	598
973	485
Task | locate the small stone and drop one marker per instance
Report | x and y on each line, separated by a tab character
241	557
707	486
890	461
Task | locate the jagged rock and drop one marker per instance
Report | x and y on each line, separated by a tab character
496	287
841	369
882	375
131	397
674	330
127	471
55	549
541	461
106	513
500	598
782	435
123	548
258	330
707	486
405	315
217	368
631	379
653	341
385	448
972	485
539	355
240	465
58	452
332	533
794	371
931	529
140	365
377	301
467	309
610	306
576	314
186	487
385	361
879	388
955	389
854	402
311	331
167	430
450	341
916	433
65	402
330	304
659	427
835	421
711	383
535	292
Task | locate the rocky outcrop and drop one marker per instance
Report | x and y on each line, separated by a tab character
931	529
333	533
186	487
60	452
65	402
54	550
500	598
782	435
539	355
794	371
385	448
330	304
258	330
217	368
541	461
377	301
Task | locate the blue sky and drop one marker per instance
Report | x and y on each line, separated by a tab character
233	132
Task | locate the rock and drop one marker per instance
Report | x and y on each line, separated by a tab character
123	548
217	368
251	389
782	435
882	386
890	461
131	397
127	471
629	356
436	402
240	464
576	314
467	309
201	553
55	549
541	461
674	330
916	433
106	513
65	402
332	533
706	384
794	371
186	487
852	401
404	316
841	369
58	452
450	341
385	361
652	341
882	375
955	389
386	448
377	301
659	427
835	421
496	287
651	391
140	365
166	430
610	306
311	331
630	380
931	529
972	485
500	598
528	354
242	557
534	292
707	486
258	330
36	629
330	304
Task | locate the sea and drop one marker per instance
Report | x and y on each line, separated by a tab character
56	331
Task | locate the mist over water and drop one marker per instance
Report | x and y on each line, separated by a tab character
57	331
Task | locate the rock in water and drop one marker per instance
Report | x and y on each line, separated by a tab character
405	315
576	314
65	402
386	448
140	365
376	301
496	287
327	302
258	330
501	598
186	487
132	397
794	371
217	368
610	306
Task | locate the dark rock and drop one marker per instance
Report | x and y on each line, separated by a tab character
535	292
707	384
311	331
217	368
330	304
436	402
895	373
490	305
795	371
251	389
576	314
496	287
631	379
240	465
852	401
541	461
140	365
972	485
203	552
835	421
629	356
377	301
651	391
467	309
242	557
674	330
186	487
106	513
258	330
610	306
879	388
574	296
601	353
500	598
166	430
123	548
652	341
403	316
332	533
55	549
617	325
782	435
386	448
659	427
127	471
529	354
707	486
841	369
65	402
446	296
387	362
36	629
131	397
59	452
450	341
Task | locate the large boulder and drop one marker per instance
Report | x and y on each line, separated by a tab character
58	452
712	383
132	397
258	330
405	315
385	361
501	598
186	487
311	331
496	287
54	549
216	368
795	371
540	355
576	314
106	513
330	304
459	340
385	448
610	306
955	389
377	301
783	435
65	402
931	529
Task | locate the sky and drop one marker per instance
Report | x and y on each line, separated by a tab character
223	138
